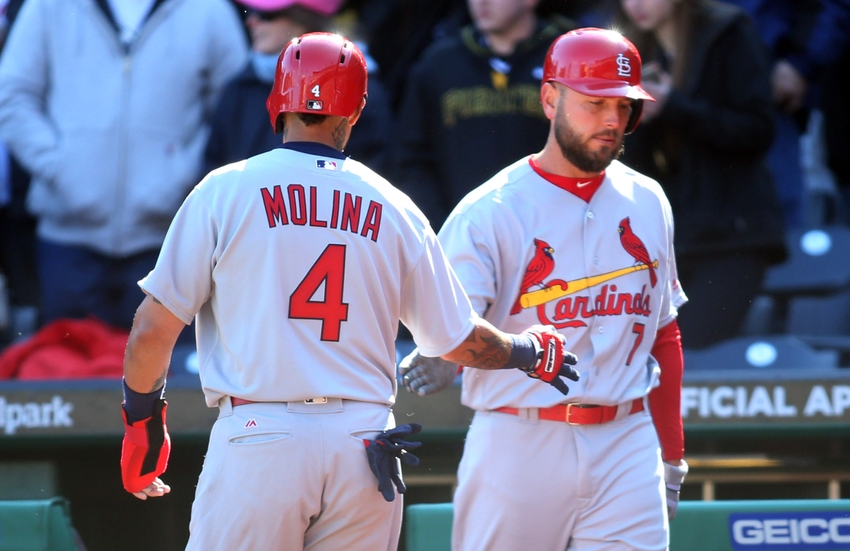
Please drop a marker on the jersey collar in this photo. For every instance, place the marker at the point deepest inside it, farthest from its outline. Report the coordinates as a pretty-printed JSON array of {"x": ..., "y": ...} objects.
[
  {"x": 583, "y": 188},
  {"x": 313, "y": 148}
]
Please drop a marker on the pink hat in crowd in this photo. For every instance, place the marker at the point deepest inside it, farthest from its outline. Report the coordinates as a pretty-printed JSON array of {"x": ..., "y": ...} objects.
[{"x": 325, "y": 7}]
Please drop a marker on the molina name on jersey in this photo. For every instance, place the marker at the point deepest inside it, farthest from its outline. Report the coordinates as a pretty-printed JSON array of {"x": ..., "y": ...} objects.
[{"x": 300, "y": 206}]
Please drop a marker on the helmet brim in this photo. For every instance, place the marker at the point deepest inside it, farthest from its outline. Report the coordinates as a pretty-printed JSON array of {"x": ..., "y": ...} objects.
[{"x": 604, "y": 88}]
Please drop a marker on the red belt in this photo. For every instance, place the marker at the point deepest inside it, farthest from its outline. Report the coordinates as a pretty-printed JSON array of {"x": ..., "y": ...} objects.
[{"x": 578, "y": 414}]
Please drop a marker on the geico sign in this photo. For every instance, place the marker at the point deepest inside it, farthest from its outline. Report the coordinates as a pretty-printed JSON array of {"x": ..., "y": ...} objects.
[
  {"x": 726, "y": 402},
  {"x": 797, "y": 531}
]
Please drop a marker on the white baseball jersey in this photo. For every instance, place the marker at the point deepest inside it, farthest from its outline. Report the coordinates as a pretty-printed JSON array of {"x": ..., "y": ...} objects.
[
  {"x": 522, "y": 244},
  {"x": 299, "y": 264}
]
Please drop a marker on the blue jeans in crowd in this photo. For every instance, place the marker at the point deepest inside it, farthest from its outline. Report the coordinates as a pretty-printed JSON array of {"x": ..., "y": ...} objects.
[{"x": 77, "y": 282}]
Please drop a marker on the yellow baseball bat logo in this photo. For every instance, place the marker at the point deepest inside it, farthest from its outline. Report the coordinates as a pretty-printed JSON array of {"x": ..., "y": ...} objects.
[{"x": 557, "y": 290}]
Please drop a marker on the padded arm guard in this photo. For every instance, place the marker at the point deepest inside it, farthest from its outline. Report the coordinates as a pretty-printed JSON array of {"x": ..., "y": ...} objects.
[{"x": 145, "y": 449}]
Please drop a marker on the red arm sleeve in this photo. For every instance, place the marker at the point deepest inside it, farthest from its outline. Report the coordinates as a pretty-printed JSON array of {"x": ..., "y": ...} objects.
[{"x": 665, "y": 399}]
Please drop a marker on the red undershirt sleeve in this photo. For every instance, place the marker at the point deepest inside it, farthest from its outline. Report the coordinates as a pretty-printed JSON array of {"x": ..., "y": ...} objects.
[{"x": 665, "y": 399}]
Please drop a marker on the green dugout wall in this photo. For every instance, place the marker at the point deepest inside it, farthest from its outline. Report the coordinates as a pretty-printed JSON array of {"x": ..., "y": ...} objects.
[{"x": 759, "y": 525}]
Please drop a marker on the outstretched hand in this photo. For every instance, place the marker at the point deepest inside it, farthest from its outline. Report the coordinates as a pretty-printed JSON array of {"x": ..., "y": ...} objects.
[
  {"x": 553, "y": 362},
  {"x": 424, "y": 375}
]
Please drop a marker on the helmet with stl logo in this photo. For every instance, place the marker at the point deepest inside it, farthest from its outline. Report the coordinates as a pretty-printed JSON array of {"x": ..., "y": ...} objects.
[
  {"x": 598, "y": 62},
  {"x": 319, "y": 73}
]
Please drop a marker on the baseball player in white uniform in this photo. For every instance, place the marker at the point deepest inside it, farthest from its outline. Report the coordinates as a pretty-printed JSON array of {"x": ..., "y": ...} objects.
[
  {"x": 298, "y": 265},
  {"x": 572, "y": 238}
]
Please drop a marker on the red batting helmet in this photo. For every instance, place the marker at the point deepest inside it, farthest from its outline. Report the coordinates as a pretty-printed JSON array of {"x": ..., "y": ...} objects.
[
  {"x": 320, "y": 73},
  {"x": 596, "y": 62}
]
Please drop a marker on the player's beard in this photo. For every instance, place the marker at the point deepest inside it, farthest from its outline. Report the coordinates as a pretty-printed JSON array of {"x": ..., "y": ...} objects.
[{"x": 575, "y": 149}]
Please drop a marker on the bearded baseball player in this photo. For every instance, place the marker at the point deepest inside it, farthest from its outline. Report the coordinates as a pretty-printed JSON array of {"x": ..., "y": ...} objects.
[
  {"x": 572, "y": 238},
  {"x": 297, "y": 266}
]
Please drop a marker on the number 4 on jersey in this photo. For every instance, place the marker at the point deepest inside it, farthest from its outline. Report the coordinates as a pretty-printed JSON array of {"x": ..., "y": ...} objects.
[{"x": 332, "y": 311}]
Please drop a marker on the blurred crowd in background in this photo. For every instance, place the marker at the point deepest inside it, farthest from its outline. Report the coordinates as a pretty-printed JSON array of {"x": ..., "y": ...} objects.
[{"x": 112, "y": 110}]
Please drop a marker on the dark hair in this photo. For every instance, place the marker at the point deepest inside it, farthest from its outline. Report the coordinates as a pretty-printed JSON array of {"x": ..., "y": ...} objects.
[{"x": 310, "y": 119}]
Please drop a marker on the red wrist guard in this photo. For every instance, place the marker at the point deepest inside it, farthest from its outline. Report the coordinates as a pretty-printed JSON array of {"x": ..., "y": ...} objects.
[{"x": 145, "y": 449}]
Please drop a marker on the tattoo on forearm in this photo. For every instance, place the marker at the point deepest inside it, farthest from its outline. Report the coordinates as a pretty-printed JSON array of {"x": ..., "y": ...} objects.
[{"x": 488, "y": 352}]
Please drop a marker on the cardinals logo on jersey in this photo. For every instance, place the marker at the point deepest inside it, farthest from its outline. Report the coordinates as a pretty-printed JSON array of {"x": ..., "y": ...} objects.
[
  {"x": 635, "y": 247},
  {"x": 538, "y": 269},
  {"x": 611, "y": 299}
]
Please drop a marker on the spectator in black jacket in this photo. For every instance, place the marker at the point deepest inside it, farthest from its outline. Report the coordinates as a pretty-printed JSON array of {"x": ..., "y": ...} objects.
[
  {"x": 705, "y": 140},
  {"x": 471, "y": 104},
  {"x": 805, "y": 40},
  {"x": 240, "y": 125}
]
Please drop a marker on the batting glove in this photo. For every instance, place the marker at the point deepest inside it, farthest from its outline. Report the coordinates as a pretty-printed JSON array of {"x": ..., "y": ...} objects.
[
  {"x": 552, "y": 361},
  {"x": 384, "y": 453},
  {"x": 674, "y": 476},
  {"x": 424, "y": 375},
  {"x": 145, "y": 449}
]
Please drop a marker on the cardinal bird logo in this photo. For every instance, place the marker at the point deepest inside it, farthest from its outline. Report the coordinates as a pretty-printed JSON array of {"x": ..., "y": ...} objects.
[
  {"x": 635, "y": 247},
  {"x": 538, "y": 269}
]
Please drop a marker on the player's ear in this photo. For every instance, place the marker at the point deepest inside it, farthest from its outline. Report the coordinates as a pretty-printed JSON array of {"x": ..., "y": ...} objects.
[
  {"x": 352, "y": 120},
  {"x": 549, "y": 94}
]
